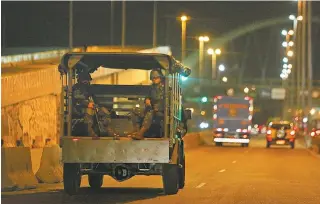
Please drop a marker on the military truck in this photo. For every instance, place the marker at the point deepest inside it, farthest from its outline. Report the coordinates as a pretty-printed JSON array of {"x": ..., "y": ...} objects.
[{"x": 121, "y": 157}]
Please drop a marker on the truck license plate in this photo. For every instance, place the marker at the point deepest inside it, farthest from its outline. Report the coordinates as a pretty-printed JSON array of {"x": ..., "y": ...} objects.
[{"x": 280, "y": 142}]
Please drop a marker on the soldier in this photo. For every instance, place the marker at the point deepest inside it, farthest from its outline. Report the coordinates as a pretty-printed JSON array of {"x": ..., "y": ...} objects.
[
  {"x": 82, "y": 105},
  {"x": 157, "y": 93}
]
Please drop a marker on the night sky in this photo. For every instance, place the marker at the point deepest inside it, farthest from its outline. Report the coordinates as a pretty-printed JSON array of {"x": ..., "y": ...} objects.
[{"x": 27, "y": 24}]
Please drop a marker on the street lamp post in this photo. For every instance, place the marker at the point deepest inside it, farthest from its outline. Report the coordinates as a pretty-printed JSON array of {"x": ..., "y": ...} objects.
[
  {"x": 71, "y": 25},
  {"x": 202, "y": 40},
  {"x": 183, "y": 36},
  {"x": 214, "y": 53},
  {"x": 123, "y": 34},
  {"x": 154, "y": 43}
]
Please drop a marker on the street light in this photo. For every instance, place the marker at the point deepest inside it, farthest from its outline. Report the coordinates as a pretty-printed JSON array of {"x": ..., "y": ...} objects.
[
  {"x": 290, "y": 53},
  {"x": 292, "y": 17},
  {"x": 222, "y": 68},
  {"x": 225, "y": 79},
  {"x": 246, "y": 90},
  {"x": 284, "y": 44},
  {"x": 214, "y": 53},
  {"x": 285, "y": 60},
  {"x": 291, "y": 43},
  {"x": 291, "y": 32},
  {"x": 289, "y": 66},
  {"x": 202, "y": 40},
  {"x": 285, "y": 66},
  {"x": 183, "y": 36},
  {"x": 284, "y": 32},
  {"x": 299, "y": 18}
]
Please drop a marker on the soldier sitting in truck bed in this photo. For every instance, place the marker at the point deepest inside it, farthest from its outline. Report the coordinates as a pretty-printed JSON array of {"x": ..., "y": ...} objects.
[
  {"x": 157, "y": 92},
  {"x": 84, "y": 106}
]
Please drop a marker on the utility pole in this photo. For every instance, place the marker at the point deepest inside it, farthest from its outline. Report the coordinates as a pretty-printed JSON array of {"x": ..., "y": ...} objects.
[
  {"x": 309, "y": 55},
  {"x": 111, "y": 21},
  {"x": 303, "y": 58},
  {"x": 154, "y": 24},
  {"x": 123, "y": 36},
  {"x": 71, "y": 25}
]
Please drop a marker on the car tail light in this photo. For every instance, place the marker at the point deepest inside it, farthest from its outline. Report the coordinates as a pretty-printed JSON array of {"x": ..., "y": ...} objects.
[{"x": 292, "y": 132}]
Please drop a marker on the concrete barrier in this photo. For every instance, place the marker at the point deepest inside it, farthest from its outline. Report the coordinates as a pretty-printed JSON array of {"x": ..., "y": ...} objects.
[
  {"x": 191, "y": 140},
  {"x": 206, "y": 138},
  {"x": 16, "y": 169},
  {"x": 50, "y": 170}
]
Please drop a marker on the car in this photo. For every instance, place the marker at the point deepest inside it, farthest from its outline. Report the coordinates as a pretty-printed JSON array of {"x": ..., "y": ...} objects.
[{"x": 280, "y": 133}]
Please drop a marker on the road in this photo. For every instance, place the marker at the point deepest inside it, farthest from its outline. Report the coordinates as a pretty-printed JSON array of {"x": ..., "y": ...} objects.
[{"x": 229, "y": 174}]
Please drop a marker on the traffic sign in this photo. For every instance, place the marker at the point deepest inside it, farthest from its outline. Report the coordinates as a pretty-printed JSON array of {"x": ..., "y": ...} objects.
[{"x": 278, "y": 93}]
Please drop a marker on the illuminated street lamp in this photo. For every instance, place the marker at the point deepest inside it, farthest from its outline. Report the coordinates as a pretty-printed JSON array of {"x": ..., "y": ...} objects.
[
  {"x": 214, "y": 53},
  {"x": 222, "y": 68},
  {"x": 284, "y": 32},
  {"x": 291, "y": 32},
  {"x": 183, "y": 36},
  {"x": 284, "y": 44},
  {"x": 289, "y": 66},
  {"x": 291, "y": 43},
  {"x": 299, "y": 18},
  {"x": 292, "y": 17},
  {"x": 225, "y": 79},
  {"x": 285, "y": 66},
  {"x": 290, "y": 53},
  {"x": 202, "y": 40},
  {"x": 246, "y": 90},
  {"x": 285, "y": 60}
]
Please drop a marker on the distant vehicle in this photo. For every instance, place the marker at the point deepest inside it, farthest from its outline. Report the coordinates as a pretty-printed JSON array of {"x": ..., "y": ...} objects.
[
  {"x": 232, "y": 120},
  {"x": 280, "y": 133}
]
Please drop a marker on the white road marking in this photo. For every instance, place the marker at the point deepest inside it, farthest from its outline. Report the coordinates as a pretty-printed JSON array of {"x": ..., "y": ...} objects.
[
  {"x": 234, "y": 162},
  {"x": 222, "y": 170},
  {"x": 201, "y": 185}
]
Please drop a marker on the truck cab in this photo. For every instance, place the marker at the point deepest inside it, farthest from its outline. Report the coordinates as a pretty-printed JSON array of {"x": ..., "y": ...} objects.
[{"x": 160, "y": 153}]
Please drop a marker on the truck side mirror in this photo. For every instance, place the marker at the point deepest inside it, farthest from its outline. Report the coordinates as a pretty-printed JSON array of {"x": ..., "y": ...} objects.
[{"x": 187, "y": 114}]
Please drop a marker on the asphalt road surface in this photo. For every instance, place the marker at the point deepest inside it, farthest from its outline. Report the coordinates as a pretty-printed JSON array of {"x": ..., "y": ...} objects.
[{"x": 229, "y": 174}]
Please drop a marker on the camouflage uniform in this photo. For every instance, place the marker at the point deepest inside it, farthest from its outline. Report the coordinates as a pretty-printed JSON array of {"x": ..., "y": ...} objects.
[
  {"x": 81, "y": 101},
  {"x": 104, "y": 119},
  {"x": 84, "y": 108}
]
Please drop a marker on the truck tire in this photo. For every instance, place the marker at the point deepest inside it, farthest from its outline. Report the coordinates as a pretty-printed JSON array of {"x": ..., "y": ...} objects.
[
  {"x": 219, "y": 144},
  {"x": 170, "y": 178},
  {"x": 71, "y": 178},
  {"x": 95, "y": 180},
  {"x": 182, "y": 173}
]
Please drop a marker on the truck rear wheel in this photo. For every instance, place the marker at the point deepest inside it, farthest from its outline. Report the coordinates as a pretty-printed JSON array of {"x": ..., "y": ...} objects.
[
  {"x": 71, "y": 178},
  {"x": 95, "y": 180},
  {"x": 170, "y": 179},
  {"x": 219, "y": 144}
]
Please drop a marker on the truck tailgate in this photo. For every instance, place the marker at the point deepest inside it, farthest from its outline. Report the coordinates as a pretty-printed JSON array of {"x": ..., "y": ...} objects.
[{"x": 107, "y": 150}]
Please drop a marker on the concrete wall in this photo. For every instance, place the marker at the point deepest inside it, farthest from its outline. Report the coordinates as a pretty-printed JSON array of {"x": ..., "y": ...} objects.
[{"x": 32, "y": 121}]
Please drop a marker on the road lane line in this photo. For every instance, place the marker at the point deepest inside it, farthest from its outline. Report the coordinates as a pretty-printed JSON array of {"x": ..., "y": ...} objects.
[
  {"x": 234, "y": 162},
  {"x": 201, "y": 185},
  {"x": 222, "y": 170}
]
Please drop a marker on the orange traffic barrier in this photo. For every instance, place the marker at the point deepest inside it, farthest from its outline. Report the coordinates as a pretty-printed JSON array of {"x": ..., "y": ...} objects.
[
  {"x": 16, "y": 169},
  {"x": 50, "y": 170}
]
